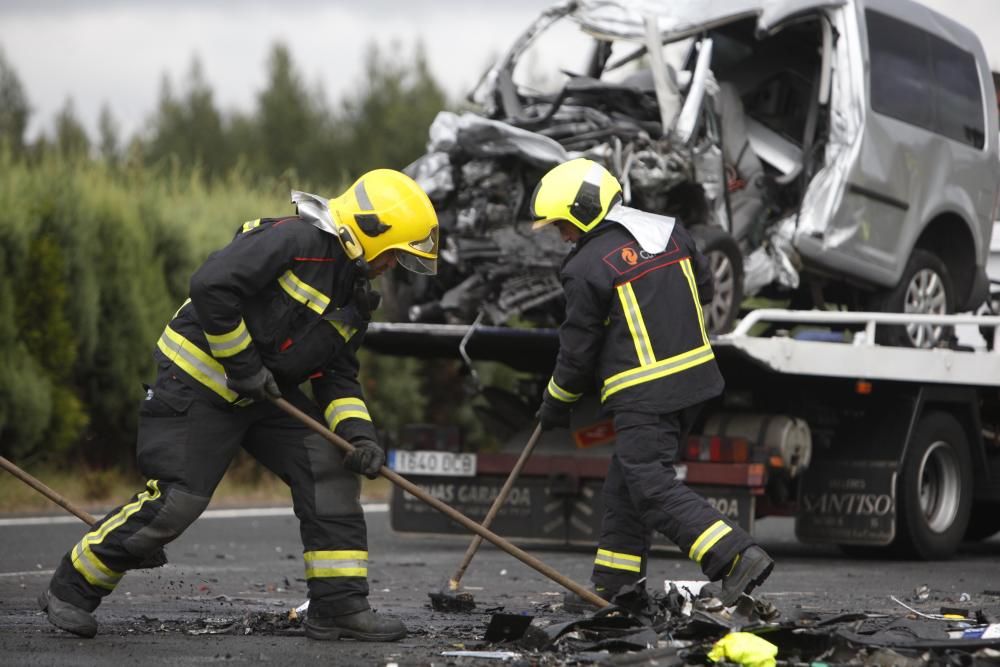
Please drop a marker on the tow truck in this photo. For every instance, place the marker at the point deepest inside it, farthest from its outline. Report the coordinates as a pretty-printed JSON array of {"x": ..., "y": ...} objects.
[{"x": 872, "y": 447}]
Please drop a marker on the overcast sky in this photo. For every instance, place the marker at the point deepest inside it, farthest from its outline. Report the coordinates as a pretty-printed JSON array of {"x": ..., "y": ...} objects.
[{"x": 116, "y": 51}]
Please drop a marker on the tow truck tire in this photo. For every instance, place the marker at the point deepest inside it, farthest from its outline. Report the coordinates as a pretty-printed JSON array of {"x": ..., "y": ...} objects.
[
  {"x": 726, "y": 260},
  {"x": 934, "y": 489},
  {"x": 984, "y": 522}
]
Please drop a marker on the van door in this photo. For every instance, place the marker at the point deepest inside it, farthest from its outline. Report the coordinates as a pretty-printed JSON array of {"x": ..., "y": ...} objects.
[{"x": 912, "y": 147}]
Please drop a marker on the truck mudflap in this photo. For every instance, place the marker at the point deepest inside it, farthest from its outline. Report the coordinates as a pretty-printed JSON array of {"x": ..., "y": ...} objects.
[
  {"x": 848, "y": 502},
  {"x": 557, "y": 500}
]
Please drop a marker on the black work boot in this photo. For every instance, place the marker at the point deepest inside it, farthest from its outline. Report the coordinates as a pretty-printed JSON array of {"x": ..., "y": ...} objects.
[
  {"x": 66, "y": 616},
  {"x": 364, "y": 625},
  {"x": 749, "y": 569}
]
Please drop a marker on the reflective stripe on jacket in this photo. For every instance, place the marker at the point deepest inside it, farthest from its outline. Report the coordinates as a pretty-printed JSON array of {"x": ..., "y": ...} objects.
[
  {"x": 634, "y": 324},
  {"x": 282, "y": 294}
]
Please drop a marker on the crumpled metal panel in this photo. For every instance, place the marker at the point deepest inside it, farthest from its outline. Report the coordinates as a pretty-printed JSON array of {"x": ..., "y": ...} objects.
[
  {"x": 677, "y": 19},
  {"x": 825, "y": 194},
  {"x": 482, "y": 137},
  {"x": 774, "y": 261}
]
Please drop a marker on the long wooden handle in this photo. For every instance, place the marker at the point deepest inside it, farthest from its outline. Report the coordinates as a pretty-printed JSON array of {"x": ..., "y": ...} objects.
[
  {"x": 501, "y": 498},
  {"x": 450, "y": 512},
  {"x": 37, "y": 485}
]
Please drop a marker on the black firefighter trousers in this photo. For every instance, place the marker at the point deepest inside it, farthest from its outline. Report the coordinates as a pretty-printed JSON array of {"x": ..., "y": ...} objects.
[
  {"x": 642, "y": 494},
  {"x": 185, "y": 443}
]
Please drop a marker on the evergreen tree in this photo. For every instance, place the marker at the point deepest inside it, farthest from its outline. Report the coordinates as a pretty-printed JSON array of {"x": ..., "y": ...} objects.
[
  {"x": 386, "y": 126},
  {"x": 14, "y": 107},
  {"x": 290, "y": 120},
  {"x": 71, "y": 138},
  {"x": 108, "y": 142},
  {"x": 189, "y": 129}
]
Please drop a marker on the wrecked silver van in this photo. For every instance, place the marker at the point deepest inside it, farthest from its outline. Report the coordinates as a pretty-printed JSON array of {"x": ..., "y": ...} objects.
[{"x": 830, "y": 153}]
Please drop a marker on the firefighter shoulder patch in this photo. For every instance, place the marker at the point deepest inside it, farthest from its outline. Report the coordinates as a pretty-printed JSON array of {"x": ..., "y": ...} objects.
[{"x": 631, "y": 257}]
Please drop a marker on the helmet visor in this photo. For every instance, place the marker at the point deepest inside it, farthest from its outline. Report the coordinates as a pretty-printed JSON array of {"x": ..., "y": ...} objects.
[
  {"x": 417, "y": 264},
  {"x": 415, "y": 258}
]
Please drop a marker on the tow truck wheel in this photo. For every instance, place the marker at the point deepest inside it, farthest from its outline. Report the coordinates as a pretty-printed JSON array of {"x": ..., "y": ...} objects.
[
  {"x": 726, "y": 261},
  {"x": 934, "y": 489}
]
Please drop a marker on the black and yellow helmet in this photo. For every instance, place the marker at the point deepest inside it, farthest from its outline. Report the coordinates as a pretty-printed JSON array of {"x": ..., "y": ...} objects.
[
  {"x": 385, "y": 210},
  {"x": 580, "y": 191}
]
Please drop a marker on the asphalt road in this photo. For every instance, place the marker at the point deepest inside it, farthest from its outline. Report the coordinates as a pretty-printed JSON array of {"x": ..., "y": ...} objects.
[{"x": 239, "y": 575}]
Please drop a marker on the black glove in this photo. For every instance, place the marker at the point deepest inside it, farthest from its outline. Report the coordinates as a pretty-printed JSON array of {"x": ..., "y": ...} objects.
[
  {"x": 366, "y": 459},
  {"x": 260, "y": 386},
  {"x": 553, "y": 415}
]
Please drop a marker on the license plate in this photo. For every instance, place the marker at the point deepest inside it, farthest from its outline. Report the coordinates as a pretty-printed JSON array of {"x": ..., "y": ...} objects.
[{"x": 422, "y": 462}]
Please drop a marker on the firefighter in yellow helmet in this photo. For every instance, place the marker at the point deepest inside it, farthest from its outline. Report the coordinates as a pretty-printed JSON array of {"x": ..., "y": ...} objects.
[
  {"x": 634, "y": 284},
  {"x": 287, "y": 300}
]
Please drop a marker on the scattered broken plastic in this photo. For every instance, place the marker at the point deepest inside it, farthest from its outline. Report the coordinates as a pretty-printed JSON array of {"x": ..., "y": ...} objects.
[
  {"x": 991, "y": 631},
  {"x": 686, "y": 587},
  {"x": 485, "y": 655}
]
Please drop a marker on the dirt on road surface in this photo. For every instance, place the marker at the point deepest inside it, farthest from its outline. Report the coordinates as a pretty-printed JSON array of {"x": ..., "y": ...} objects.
[{"x": 233, "y": 579}]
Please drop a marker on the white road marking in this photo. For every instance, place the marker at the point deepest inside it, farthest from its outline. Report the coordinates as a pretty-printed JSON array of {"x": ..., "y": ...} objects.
[
  {"x": 27, "y": 573},
  {"x": 252, "y": 512}
]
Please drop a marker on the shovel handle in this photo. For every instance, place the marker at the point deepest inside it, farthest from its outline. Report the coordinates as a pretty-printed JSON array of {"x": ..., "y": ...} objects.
[
  {"x": 447, "y": 510},
  {"x": 37, "y": 485},
  {"x": 501, "y": 498}
]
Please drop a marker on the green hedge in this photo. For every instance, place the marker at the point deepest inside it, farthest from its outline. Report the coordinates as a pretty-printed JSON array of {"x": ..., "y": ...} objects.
[{"x": 94, "y": 262}]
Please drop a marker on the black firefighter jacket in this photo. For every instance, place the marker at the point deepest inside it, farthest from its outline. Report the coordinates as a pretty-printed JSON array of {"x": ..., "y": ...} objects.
[
  {"x": 284, "y": 295},
  {"x": 634, "y": 320}
]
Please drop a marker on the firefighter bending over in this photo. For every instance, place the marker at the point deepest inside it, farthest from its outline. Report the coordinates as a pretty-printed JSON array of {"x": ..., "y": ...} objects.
[
  {"x": 289, "y": 299},
  {"x": 634, "y": 285}
]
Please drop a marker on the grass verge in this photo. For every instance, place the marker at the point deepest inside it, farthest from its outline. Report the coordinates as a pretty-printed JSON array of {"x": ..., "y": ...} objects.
[{"x": 246, "y": 484}]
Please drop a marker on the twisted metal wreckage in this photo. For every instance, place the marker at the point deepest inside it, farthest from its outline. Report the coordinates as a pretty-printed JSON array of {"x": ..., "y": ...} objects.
[
  {"x": 479, "y": 168},
  {"x": 755, "y": 135}
]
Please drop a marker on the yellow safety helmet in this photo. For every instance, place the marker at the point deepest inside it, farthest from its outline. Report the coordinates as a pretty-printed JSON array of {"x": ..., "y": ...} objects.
[
  {"x": 386, "y": 210},
  {"x": 580, "y": 191}
]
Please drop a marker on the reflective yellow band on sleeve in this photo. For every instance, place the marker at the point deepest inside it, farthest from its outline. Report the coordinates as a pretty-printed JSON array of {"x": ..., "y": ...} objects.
[
  {"x": 250, "y": 224},
  {"x": 229, "y": 344},
  {"x": 309, "y": 296},
  {"x": 689, "y": 274},
  {"x": 560, "y": 394},
  {"x": 195, "y": 362},
  {"x": 636, "y": 325},
  {"x": 708, "y": 539},
  {"x": 346, "y": 332},
  {"x": 323, "y": 564},
  {"x": 345, "y": 408},
  {"x": 618, "y": 561}
]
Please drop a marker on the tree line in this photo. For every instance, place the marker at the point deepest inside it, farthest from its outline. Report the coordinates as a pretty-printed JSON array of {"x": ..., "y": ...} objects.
[
  {"x": 99, "y": 236},
  {"x": 292, "y": 129}
]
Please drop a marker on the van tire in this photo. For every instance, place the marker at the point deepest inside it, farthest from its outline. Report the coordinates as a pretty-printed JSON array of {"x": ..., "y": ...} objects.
[
  {"x": 726, "y": 260},
  {"x": 934, "y": 489},
  {"x": 925, "y": 280}
]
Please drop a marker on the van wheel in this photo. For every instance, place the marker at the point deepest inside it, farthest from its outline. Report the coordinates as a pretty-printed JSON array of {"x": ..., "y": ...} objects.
[
  {"x": 726, "y": 260},
  {"x": 924, "y": 288},
  {"x": 984, "y": 522},
  {"x": 934, "y": 489}
]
